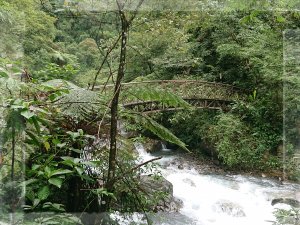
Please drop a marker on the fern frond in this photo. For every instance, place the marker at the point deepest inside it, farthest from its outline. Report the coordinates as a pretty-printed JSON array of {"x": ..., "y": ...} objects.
[
  {"x": 167, "y": 98},
  {"x": 151, "y": 125},
  {"x": 82, "y": 105}
]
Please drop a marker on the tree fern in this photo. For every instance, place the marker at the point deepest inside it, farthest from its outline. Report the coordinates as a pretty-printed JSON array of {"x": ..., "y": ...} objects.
[{"x": 82, "y": 105}]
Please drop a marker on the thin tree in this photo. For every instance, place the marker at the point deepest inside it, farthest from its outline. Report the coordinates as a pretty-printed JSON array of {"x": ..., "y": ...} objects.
[{"x": 125, "y": 24}]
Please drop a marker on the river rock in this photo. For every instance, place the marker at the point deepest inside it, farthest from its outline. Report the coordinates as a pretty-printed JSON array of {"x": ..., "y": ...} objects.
[
  {"x": 230, "y": 208},
  {"x": 180, "y": 167},
  {"x": 163, "y": 189},
  {"x": 152, "y": 145},
  {"x": 209, "y": 150},
  {"x": 189, "y": 181},
  {"x": 288, "y": 201}
]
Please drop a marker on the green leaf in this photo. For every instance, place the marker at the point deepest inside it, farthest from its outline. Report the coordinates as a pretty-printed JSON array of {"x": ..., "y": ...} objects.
[
  {"x": 69, "y": 161},
  {"x": 35, "y": 167},
  {"x": 28, "y": 182},
  {"x": 254, "y": 94},
  {"x": 48, "y": 170},
  {"x": 26, "y": 207},
  {"x": 59, "y": 172},
  {"x": 55, "y": 141},
  {"x": 55, "y": 206},
  {"x": 3, "y": 74},
  {"x": 68, "y": 158},
  {"x": 58, "y": 207},
  {"x": 79, "y": 170},
  {"x": 47, "y": 145},
  {"x": 280, "y": 19},
  {"x": 43, "y": 193},
  {"x": 56, "y": 181},
  {"x": 36, "y": 202},
  {"x": 73, "y": 135},
  {"x": 44, "y": 121},
  {"x": 33, "y": 137},
  {"x": 104, "y": 192},
  {"x": 52, "y": 97},
  {"x": 36, "y": 124},
  {"x": 27, "y": 114}
]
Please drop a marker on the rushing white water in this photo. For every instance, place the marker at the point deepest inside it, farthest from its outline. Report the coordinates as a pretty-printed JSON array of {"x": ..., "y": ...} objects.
[
  {"x": 222, "y": 199},
  {"x": 164, "y": 147}
]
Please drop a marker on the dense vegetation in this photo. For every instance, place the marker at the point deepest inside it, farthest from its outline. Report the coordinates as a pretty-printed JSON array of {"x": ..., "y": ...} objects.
[{"x": 61, "y": 126}]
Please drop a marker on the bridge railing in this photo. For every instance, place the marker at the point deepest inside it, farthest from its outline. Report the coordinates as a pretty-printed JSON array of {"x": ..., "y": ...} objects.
[{"x": 184, "y": 88}]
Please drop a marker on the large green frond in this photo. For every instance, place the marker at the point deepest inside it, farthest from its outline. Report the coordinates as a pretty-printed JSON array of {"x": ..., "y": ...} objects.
[
  {"x": 154, "y": 127},
  {"x": 167, "y": 98}
]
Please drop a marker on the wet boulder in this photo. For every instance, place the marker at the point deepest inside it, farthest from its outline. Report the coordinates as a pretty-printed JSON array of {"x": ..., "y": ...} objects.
[
  {"x": 288, "y": 201},
  {"x": 161, "y": 189},
  {"x": 152, "y": 145},
  {"x": 189, "y": 181}
]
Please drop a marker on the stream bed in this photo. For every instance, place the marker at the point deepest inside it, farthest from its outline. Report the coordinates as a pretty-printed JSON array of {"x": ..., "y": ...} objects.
[{"x": 219, "y": 199}]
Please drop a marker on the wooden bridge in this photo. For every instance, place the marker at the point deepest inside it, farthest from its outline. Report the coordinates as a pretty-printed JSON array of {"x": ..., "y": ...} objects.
[{"x": 157, "y": 95}]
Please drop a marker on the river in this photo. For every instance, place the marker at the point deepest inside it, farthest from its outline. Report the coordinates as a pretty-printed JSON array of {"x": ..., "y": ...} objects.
[{"x": 219, "y": 199}]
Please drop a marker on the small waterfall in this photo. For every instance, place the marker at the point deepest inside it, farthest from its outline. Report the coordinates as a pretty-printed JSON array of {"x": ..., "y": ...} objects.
[
  {"x": 164, "y": 147},
  {"x": 143, "y": 154}
]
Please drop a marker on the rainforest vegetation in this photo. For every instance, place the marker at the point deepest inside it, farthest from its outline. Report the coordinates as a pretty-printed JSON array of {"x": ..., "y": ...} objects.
[{"x": 60, "y": 125}]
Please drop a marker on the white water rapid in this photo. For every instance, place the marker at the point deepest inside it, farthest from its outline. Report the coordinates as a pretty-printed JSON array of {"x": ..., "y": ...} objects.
[{"x": 221, "y": 199}]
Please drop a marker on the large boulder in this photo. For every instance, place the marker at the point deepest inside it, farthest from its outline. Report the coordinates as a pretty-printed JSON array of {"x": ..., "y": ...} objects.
[
  {"x": 161, "y": 189},
  {"x": 152, "y": 145}
]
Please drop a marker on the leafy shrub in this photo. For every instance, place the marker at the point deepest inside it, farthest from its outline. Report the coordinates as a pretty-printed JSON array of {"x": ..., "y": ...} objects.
[{"x": 237, "y": 144}]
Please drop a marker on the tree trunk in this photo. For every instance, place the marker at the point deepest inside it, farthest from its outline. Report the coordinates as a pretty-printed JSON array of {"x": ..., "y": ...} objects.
[{"x": 114, "y": 110}]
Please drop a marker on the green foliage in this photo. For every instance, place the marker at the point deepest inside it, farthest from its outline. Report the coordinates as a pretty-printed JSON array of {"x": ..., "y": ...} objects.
[
  {"x": 190, "y": 126},
  {"x": 54, "y": 71},
  {"x": 284, "y": 216},
  {"x": 52, "y": 218},
  {"x": 88, "y": 53},
  {"x": 12, "y": 24},
  {"x": 162, "y": 56},
  {"x": 251, "y": 149}
]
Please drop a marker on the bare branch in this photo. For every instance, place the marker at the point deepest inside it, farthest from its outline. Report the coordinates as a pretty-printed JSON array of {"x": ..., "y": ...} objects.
[
  {"x": 133, "y": 169},
  {"x": 104, "y": 60},
  {"x": 135, "y": 11}
]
